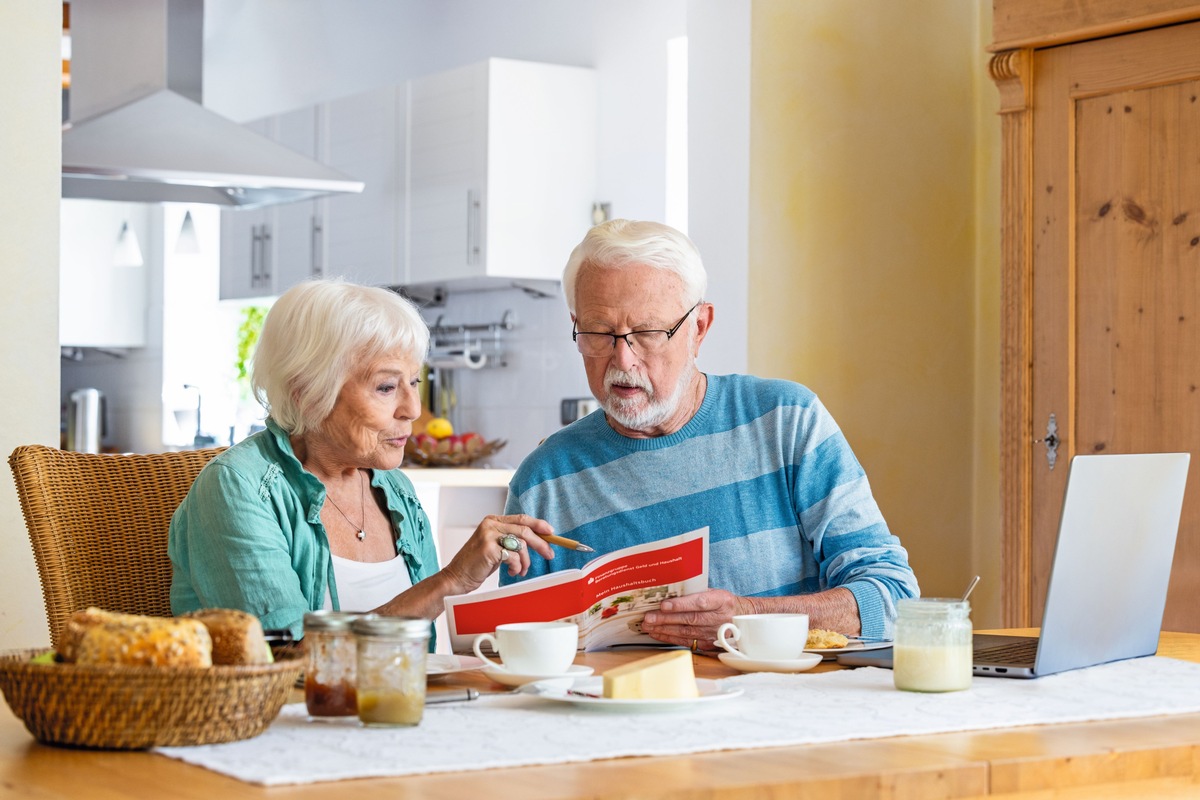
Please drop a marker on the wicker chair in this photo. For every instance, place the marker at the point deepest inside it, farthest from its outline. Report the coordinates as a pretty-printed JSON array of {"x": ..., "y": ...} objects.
[{"x": 98, "y": 525}]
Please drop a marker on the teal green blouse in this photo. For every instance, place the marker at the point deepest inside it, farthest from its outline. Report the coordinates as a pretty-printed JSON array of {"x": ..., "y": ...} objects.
[{"x": 249, "y": 534}]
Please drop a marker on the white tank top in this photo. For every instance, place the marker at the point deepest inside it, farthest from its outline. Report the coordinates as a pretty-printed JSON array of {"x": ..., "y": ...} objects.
[{"x": 366, "y": 585}]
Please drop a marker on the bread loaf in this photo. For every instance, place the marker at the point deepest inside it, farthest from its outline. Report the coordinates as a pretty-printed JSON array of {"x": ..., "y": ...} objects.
[
  {"x": 147, "y": 641},
  {"x": 237, "y": 637},
  {"x": 83, "y": 621}
]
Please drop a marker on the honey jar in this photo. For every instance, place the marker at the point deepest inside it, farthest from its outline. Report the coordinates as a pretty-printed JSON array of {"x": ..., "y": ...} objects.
[{"x": 391, "y": 669}]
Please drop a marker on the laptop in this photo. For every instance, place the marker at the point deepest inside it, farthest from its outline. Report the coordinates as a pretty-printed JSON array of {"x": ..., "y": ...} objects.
[{"x": 1108, "y": 582}]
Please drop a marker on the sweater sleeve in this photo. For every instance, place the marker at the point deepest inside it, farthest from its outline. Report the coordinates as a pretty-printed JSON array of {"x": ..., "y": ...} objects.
[{"x": 838, "y": 514}]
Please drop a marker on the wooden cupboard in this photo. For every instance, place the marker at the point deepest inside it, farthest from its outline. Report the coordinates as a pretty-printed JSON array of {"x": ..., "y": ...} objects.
[{"x": 1100, "y": 120}]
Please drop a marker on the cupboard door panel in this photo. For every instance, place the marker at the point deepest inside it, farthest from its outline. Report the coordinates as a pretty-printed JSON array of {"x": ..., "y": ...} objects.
[{"x": 1116, "y": 252}]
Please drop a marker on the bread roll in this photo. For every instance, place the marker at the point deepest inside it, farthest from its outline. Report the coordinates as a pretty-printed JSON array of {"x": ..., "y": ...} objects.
[
  {"x": 237, "y": 637},
  {"x": 80, "y": 623},
  {"x": 147, "y": 641}
]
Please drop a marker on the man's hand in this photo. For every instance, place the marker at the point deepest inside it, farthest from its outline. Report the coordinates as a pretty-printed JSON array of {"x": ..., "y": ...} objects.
[{"x": 692, "y": 620}]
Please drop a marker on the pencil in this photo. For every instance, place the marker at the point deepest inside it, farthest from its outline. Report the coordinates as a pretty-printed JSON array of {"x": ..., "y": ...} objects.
[{"x": 570, "y": 544}]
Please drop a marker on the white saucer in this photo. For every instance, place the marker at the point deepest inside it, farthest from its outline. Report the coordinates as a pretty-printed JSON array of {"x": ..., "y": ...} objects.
[
  {"x": 587, "y": 693},
  {"x": 744, "y": 664},
  {"x": 512, "y": 679},
  {"x": 439, "y": 665}
]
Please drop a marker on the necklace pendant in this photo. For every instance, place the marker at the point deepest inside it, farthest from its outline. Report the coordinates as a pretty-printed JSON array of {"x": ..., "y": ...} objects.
[{"x": 361, "y": 535}]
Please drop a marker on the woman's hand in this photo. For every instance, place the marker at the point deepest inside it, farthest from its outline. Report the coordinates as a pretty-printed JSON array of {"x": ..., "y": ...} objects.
[{"x": 483, "y": 553}]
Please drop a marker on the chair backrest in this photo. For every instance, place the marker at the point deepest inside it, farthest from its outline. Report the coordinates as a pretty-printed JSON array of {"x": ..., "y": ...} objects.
[{"x": 98, "y": 526}]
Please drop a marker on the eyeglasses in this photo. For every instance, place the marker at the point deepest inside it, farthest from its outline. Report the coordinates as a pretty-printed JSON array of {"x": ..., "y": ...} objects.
[{"x": 597, "y": 345}]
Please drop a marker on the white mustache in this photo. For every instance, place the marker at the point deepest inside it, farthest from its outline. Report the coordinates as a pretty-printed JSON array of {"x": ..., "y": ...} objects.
[{"x": 614, "y": 375}]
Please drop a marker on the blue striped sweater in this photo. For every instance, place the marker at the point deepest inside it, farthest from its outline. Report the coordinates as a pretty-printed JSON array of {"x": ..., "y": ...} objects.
[{"x": 762, "y": 464}]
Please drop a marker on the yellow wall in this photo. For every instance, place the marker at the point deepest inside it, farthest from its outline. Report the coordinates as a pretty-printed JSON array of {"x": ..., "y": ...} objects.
[{"x": 874, "y": 259}]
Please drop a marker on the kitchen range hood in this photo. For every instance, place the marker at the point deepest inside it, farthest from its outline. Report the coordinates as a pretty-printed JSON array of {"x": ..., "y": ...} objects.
[{"x": 141, "y": 133}]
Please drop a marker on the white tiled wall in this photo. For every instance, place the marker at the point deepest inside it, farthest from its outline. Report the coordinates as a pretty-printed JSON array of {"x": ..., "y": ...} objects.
[{"x": 519, "y": 402}]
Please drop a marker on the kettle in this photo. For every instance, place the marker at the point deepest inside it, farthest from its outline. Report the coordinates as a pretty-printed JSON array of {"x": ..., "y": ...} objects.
[{"x": 85, "y": 420}]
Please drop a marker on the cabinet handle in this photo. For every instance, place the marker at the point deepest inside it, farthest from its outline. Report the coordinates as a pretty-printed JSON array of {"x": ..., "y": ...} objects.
[
  {"x": 318, "y": 233},
  {"x": 266, "y": 255},
  {"x": 255, "y": 243},
  {"x": 474, "y": 225}
]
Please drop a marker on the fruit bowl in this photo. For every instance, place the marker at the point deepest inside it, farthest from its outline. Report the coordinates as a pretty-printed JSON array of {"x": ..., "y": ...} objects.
[{"x": 451, "y": 451}]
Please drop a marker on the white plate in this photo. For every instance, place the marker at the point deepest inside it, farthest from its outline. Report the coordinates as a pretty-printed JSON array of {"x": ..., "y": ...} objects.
[
  {"x": 831, "y": 653},
  {"x": 439, "y": 665},
  {"x": 586, "y": 693},
  {"x": 513, "y": 679},
  {"x": 743, "y": 664}
]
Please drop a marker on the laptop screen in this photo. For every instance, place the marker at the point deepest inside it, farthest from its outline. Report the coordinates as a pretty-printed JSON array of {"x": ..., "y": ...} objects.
[{"x": 1112, "y": 562}]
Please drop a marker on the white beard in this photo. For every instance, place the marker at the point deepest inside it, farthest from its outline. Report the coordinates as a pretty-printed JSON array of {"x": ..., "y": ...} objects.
[{"x": 638, "y": 415}]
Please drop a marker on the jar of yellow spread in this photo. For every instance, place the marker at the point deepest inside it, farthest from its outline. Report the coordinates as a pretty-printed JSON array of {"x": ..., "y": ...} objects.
[
  {"x": 391, "y": 669},
  {"x": 932, "y": 650}
]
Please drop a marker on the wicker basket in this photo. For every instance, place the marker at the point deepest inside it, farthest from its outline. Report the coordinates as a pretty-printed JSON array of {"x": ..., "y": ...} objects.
[
  {"x": 419, "y": 456},
  {"x": 128, "y": 708}
]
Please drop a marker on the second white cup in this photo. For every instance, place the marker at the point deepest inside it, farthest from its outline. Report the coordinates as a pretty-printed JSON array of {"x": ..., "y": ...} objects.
[
  {"x": 532, "y": 648},
  {"x": 766, "y": 637}
]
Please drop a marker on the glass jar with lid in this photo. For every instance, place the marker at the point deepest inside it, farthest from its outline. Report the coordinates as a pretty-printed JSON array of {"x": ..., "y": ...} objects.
[
  {"x": 329, "y": 677},
  {"x": 932, "y": 650},
  {"x": 391, "y": 669}
]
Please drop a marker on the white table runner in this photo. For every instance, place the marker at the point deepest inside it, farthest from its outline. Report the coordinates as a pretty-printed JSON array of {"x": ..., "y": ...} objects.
[{"x": 775, "y": 710}]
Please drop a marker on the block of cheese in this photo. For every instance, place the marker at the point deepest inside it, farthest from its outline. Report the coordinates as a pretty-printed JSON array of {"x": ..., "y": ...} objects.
[{"x": 666, "y": 676}]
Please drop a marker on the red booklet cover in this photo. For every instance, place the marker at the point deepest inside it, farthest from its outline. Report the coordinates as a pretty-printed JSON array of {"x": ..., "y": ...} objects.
[{"x": 607, "y": 597}]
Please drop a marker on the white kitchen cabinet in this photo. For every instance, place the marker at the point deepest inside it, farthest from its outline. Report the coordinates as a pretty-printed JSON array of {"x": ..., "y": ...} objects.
[
  {"x": 296, "y": 226},
  {"x": 248, "y": 243},
  {"x": 501, "y": 170},
  {"x": 360, "y": 233},
  {"x": 456, "y": 500},
  {"x": 266, "y": 251},
  {"x": 101, "y": 304}
]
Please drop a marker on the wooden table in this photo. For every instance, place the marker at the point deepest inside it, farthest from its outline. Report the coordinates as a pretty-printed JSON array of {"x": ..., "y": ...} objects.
[{"x": 1155, "y": 756}]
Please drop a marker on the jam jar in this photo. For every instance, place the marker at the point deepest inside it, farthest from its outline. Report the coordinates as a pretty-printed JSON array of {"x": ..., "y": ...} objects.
[
  {"x": 391, "y": 669},
  {"x": 329, "y": 679},
  {"x": 932, "y": 651}
]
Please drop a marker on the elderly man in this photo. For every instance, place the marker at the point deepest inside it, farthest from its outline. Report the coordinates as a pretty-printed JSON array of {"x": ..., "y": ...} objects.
[{"x": 792, "y": 522}]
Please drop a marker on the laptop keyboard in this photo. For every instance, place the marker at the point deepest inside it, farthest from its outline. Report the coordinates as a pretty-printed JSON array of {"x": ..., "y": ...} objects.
[{"x": 1022, "y": 651}]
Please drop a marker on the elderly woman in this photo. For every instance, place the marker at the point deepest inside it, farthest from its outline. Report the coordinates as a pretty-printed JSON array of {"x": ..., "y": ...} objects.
[{"x": 312, "y": 512}]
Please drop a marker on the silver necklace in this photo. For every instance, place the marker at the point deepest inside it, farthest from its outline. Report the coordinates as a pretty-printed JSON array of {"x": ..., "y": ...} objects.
[{"x": 362, "y": 529}]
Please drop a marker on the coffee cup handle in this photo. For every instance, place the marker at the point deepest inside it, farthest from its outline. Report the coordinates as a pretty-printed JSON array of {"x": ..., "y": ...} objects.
[
  {"x": 722, "y": 642},
  {"x": 479, "y": 654}
]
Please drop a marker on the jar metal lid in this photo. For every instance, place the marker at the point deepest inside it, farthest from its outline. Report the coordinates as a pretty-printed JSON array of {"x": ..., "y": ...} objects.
[
  {"x": 933, "y": 605},
  {"x": 379, "y": 625},
  {"x": 328, "y": 620}
]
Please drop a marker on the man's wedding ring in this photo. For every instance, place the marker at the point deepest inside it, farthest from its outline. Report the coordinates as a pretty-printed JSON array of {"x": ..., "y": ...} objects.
[
  {"x": 510, "y": 542},
  {"x": 695, "y": 643}
]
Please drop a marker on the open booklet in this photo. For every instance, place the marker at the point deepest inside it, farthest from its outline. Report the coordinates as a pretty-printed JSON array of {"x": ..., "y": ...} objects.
[{"x": 607, "y": 597}]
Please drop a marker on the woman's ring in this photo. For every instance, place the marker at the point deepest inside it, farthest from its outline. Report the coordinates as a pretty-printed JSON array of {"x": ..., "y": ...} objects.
[
  {"x": 510, "y": 542},
  {"x": 695, "y": 642}
]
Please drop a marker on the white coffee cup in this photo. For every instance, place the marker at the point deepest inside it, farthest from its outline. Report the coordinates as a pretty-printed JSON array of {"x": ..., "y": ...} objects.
[
  {"x": 532, "y": 648},
  {"x": 766, "y": 637}
]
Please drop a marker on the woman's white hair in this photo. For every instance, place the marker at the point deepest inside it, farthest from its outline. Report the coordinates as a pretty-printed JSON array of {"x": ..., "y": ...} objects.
[
  {"x": 317, "y": 335},
  {"x": 621, "y": 243}
]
